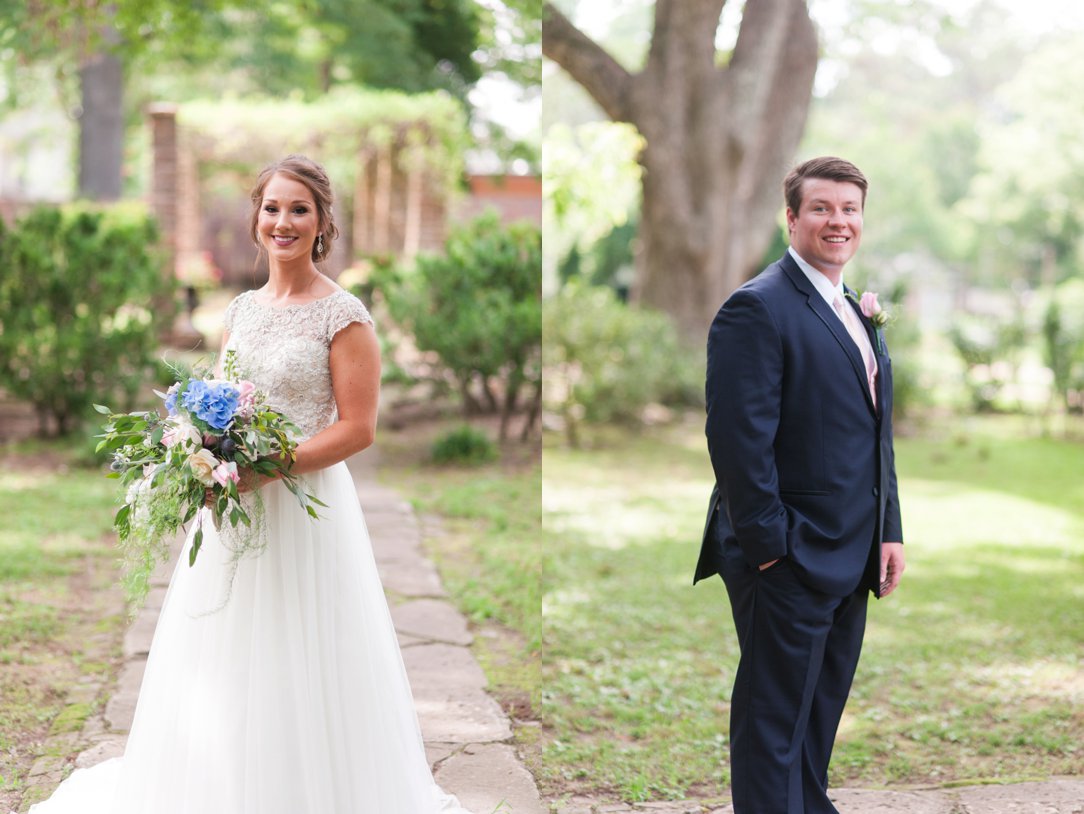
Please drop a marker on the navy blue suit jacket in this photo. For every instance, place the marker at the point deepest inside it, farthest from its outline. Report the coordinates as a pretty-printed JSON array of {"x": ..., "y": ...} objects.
[{"x": 804, "y": 465}]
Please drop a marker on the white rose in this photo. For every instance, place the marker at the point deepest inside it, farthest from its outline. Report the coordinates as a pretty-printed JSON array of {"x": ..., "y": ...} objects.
[{"x": 203, "y": 465}]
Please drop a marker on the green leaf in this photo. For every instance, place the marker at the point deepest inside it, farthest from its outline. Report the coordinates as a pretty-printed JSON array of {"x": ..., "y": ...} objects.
[{"x": 197, "y": 541}]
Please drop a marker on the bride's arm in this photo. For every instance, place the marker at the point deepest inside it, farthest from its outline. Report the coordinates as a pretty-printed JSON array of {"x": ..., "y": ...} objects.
[{"x": 355, "y": 380}]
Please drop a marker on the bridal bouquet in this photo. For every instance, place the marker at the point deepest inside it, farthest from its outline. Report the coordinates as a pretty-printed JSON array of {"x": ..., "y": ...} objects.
[{"x": 215, "y": 429}]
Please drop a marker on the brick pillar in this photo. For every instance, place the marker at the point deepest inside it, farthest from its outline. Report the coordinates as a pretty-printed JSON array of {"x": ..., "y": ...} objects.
[
  {"x": 165, "y": 178},
  {"x": 168, "y": 202}
]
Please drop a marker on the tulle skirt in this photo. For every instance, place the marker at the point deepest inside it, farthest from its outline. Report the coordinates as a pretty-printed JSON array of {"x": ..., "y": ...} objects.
[{"x": 274, "y": 683}]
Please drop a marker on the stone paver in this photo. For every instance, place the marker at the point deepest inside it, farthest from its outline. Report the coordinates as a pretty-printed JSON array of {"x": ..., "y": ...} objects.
[
  {"x": 1056, "y": 796},
  {"x": 479, "y": 768}
]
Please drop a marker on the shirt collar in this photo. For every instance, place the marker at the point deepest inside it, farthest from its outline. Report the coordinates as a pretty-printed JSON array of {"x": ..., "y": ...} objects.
[{"x": 820, "y": 282}]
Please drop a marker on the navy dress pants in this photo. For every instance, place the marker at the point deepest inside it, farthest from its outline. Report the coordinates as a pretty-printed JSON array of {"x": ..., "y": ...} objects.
[{"x": 799, "y": 651}]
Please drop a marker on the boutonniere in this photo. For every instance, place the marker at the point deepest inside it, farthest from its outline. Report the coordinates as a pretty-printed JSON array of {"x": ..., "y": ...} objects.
[{"x": 872, "y": 310}]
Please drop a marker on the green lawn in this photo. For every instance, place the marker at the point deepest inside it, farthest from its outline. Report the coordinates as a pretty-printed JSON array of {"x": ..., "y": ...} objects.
[
  {"x": 61, "y": 611},
  {"x": 972, "y": 671}
]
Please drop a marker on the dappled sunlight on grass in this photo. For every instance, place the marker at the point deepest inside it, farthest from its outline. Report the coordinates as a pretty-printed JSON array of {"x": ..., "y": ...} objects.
[
  {"x": 971, "y": 670},
  {"x": 951, "y": 516}
]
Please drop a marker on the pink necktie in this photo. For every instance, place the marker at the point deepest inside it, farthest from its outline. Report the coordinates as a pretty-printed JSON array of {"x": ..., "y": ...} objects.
[{"x": 861, "y": 338}]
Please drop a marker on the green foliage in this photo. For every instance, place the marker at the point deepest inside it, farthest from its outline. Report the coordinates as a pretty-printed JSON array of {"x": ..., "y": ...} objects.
[
  {"x": 987, "y": 346},
  {"x": 1028, "y": 190},
  {"x": 1063, "y": 343},
  {"x": 591, "y": 183},
  {"x": 464, "y": 445},
  {"x": 477, "y": 307},
  {"x": 310, "y": 46},
  {"x": 606, "y": 361},
  {"x": 285, "y": 46},
  {"x": 82, "y": 301}
]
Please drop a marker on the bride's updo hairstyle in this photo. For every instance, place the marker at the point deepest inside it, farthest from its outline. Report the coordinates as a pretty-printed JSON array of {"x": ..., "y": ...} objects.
[{"x": 312, "y": 175}]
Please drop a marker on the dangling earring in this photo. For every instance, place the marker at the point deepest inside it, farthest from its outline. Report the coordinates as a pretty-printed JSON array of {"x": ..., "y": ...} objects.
[{"x": 320, "y": 244}]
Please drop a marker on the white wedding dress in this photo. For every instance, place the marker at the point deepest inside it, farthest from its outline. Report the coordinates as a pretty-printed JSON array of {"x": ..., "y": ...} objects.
[{"x": 274, "y": 684}]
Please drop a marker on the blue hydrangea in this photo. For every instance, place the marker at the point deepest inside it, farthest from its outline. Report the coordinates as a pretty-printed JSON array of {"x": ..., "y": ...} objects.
[
  {"x": 213, "y": 402},
  {"x": 171, "y": 401}
]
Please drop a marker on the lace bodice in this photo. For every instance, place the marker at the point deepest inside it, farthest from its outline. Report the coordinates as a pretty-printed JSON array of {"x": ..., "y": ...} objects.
[{"x": 284, "y": 352}]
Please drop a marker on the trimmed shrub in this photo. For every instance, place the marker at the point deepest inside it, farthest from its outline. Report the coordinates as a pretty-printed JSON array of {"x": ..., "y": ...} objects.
[
  {"x": 606, "y": 361},
  {"x": 464, "y": 445},
  {"x": 477, "y": 307},
  {"x": 82, "y": 301}
]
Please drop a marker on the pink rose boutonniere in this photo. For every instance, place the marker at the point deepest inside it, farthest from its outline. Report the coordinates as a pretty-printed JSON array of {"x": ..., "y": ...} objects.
[{"x": 872, "y": 310}]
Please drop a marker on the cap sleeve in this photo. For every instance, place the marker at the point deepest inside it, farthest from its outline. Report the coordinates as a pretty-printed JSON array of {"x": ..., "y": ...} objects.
[
  {"x": 345, "y": 309},
  {"x": 231, "y": 313}
]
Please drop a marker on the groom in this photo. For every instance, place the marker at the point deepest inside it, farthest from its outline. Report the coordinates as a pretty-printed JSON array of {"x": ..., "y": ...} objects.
[{"x": 804, "y": 520}]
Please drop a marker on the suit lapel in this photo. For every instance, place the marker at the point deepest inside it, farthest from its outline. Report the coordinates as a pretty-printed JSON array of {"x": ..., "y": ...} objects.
[{"x": 834, "y": 325}]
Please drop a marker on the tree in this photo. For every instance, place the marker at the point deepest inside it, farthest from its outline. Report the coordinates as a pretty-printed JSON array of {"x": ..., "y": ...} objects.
[
  {"x": 93, "y": 41},
  {"x": 279, "y": 47},
  {"x": 719, "y": 133}
]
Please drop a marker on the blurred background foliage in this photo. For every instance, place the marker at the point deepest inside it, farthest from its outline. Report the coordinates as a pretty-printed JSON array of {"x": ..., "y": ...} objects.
[{"x": 965, "y": 118}]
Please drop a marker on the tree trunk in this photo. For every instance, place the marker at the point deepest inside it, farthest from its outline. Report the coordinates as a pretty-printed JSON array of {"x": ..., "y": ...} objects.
[
  {"x": 101, "y": 128},
  {"x": 718, "y": 140},
  {"x": 533, "y": 412}
]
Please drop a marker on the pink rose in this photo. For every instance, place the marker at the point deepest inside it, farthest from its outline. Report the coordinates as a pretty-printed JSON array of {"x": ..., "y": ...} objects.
[
  {"x": 872, "y": 310},
  {"x": 869, "y": 305},
  {"x": 226, "y": 472},
  {"x": 246, "y": 404}
]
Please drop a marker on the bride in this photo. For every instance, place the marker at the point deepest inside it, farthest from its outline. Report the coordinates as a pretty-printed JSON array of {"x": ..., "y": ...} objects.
[{"x": 275, "y": 684}]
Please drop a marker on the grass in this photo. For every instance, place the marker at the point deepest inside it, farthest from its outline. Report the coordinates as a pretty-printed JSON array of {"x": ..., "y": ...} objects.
[
  {"x": 61, "y": 613},
  {"x": 488, "y": 550},
  {"x": 971, "y": 672}
]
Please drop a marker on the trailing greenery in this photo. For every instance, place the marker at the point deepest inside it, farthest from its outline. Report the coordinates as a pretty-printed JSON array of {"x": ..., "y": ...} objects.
[
  {"x": 606, "y": 361},
  {"x": 478, "y": 308},
  {"x": 83, "y": 299}
]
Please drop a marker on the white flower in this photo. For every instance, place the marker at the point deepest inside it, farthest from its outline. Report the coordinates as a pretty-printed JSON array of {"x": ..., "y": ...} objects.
[
  {"x": 182, "y": 431},
  {"x": 203, "y": 465}
]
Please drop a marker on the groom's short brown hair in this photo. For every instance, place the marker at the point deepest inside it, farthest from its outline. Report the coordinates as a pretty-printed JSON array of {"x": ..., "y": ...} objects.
[{"x": 827, "y": 167}]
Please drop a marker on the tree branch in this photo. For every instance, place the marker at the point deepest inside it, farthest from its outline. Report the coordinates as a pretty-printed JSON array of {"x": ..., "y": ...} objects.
[{"x": 587, "y": 63}]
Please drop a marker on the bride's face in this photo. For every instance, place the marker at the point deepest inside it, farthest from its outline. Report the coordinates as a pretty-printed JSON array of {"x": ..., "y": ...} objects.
[{"x": 288, "y": 222}]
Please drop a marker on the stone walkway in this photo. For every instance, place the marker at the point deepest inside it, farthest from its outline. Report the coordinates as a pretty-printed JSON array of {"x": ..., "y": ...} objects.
[
  {"x": 1056, "y": 796},
  {"x": 467, "y": 735}
]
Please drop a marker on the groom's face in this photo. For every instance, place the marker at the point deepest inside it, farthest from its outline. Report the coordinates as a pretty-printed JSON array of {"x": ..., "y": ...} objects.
[{"x": 827, "y": 228}]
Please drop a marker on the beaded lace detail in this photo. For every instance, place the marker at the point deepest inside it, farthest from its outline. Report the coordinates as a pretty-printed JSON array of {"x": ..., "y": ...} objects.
[{"x": 284, "y": 352}]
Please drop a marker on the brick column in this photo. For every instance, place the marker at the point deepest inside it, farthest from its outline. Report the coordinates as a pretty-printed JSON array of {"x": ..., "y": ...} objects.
[{"x": 165, "y": 178}]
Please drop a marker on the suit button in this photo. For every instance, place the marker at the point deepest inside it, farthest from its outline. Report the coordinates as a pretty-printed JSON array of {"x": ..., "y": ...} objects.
[{"x": 876, "y": 492}]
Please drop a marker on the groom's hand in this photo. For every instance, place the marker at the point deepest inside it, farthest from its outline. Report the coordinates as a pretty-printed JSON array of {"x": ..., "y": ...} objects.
[{"x": 892, "y": 566}]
